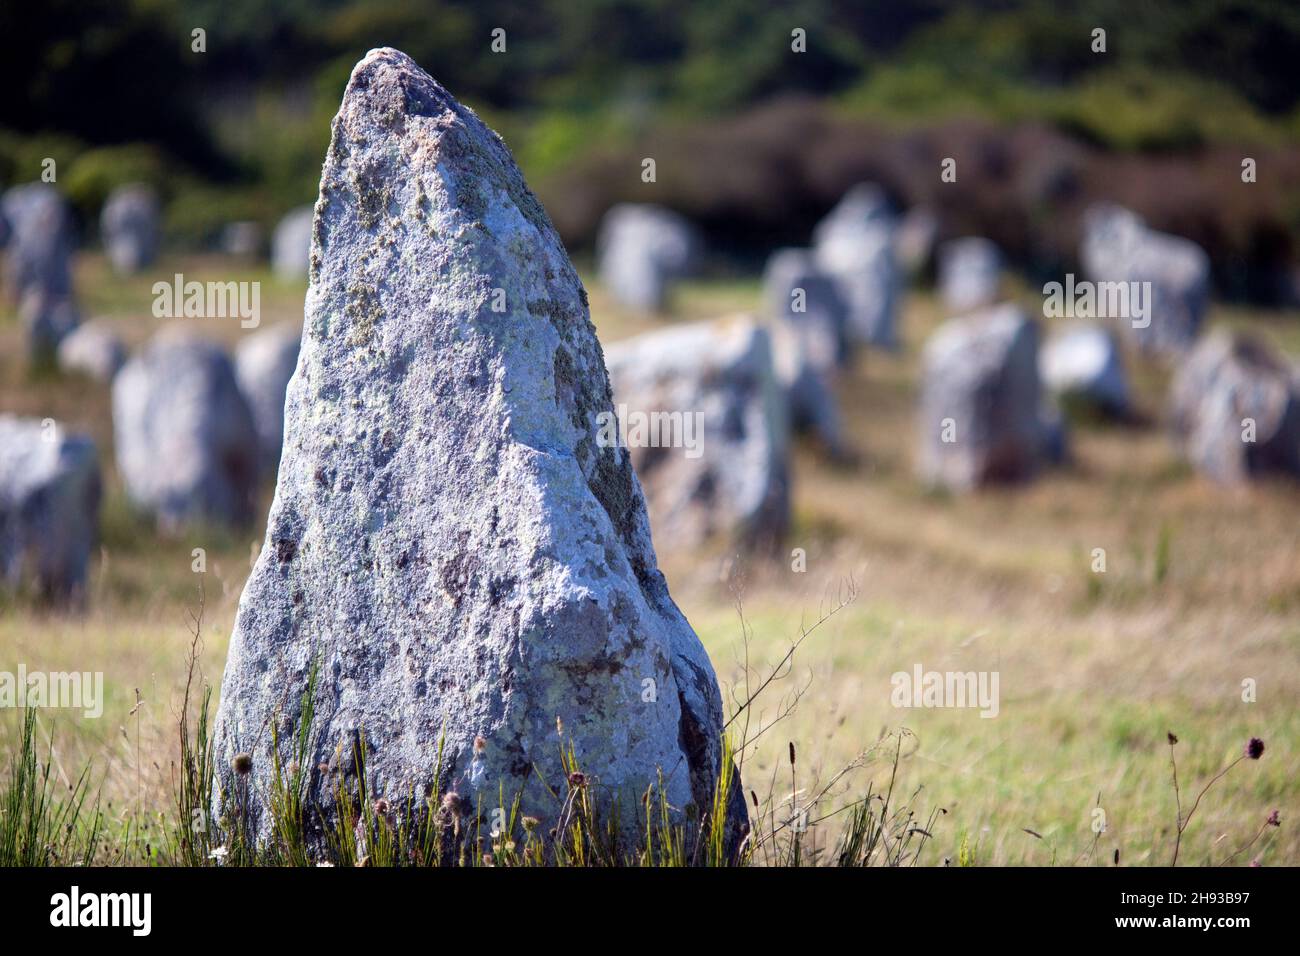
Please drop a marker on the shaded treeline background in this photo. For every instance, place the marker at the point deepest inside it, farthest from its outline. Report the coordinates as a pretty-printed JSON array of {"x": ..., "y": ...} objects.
[{"x": 753, "y": 141}]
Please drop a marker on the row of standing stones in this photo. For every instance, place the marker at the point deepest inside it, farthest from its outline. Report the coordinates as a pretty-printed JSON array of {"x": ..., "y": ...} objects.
[{"x": 450, "y": 540}]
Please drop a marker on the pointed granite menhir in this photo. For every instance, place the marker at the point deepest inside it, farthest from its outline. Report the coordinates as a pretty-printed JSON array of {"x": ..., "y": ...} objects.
[{"x": 448, "y": 542}]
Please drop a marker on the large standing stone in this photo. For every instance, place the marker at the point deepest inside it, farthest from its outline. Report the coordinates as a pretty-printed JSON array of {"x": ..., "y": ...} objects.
[
  {"x": 981, "y": 417},
  {"x": 291, "y": 244},
  {"x": 1081, "y": 365},
  {"x": 264, "y": 363},
  {"x": 1236, "y": 409},
  {"x": 93, "y": 350},
  {"x": 718, "y": 379},
  {"x": 129, "y": 227},
  {"x": 449, "y": 541},
  {"x": 49, "y": 507},
  {"x": 641, "y": 251},
  {"x": 970, "y": 274},
  {"x": 1118, "y": 247},
  {"x": 186, "y": 447},
  {"x": 855, "y": 245}
]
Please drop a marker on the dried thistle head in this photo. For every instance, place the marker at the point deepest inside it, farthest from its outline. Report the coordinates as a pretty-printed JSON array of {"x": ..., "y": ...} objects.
[
  {"x": 381, "y": 807},
  {"x": 242, "y": 764},
  {"x": 577, "y": 779},
  {"x": 1254, "y": 748},
  {"x": 530, "y": 823}
]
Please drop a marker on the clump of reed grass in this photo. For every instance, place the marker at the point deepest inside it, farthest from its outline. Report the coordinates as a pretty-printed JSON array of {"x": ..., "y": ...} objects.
[{"x": 38, "y": 825}]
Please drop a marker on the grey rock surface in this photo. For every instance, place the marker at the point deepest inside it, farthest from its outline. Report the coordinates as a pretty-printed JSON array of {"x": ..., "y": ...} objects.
[
  {"x": 291, "y": 244},
  {"x": 93, "y": 350},
  {"x": 185, "y": 443},
  {"x": 970, "y": 273},
  {"x": 129, "y": 227},
  {"x": 641, "y": 250},
  {"x": 982, "y": 415},
  {"x": 1235, "y": 409},
  {"x": 264, "y": 363},
  {"x": 855, "y": 245},
  {"x": 1118, "y": 246},
  {"x": 735, "y": 484},
  {"x": 1080, "y": 363},
  {"x": 49, "y": 507},
  {"x": 448, "y": 540}
]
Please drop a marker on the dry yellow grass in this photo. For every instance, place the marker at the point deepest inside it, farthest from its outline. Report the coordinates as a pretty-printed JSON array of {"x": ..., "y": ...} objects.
[{"x": 1094, "y": 669}]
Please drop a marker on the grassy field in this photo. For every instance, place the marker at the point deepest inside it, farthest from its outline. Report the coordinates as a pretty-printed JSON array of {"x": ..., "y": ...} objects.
[{"x": 1201, "y": 592}]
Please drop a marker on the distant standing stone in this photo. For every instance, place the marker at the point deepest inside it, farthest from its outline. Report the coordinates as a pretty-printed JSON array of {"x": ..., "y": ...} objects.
[
  {"x": 49, "y": 507},
  {"x": 981, "y": 414},
  {"x": 47, "y": 318},
  {"x": 129, "y": 227},
  {"x": 1235, "y": 407},
  {"x": 39, "y": 266},
  {"x": 93, "y": 350},
  {"x": 41, "y": 245},
  {"x": 242, "y": 239},
  {"x": 291, "y": 244},
  {"x": 642, "y": 250},
  {"x": 718, "y": 379},
  {"x": 795, "y": 289},
  {"x": 914, "y": 240},
  {"x": 855, "y": 245},
  {"x": 264, "y": 363},
  {"x": 1119, "y": 247},
  {"x": 798, "y": 357},
  {"x": 970, "y": 273},
  {"x": 1081, "y": 365},
  {"x": 186, "y": 446}
]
